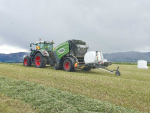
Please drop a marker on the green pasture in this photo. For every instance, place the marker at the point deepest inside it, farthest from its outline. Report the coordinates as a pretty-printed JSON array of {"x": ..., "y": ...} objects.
[{"x": 80, "y": 91}]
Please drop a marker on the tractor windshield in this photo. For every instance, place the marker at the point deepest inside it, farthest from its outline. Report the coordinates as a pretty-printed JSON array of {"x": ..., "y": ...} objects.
[
  {"x": 48, "y": 47},
  {"x": 45, "y": 46}
]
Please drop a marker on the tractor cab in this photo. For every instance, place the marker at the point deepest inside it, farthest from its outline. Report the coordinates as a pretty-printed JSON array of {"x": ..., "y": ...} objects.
[{"x": 43, "y": 45}]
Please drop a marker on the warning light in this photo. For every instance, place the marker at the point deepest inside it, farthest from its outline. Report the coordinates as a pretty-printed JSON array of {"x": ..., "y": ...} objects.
[
  {"x": 75, "y": 65},
  {"x": 37, "y": 47}
]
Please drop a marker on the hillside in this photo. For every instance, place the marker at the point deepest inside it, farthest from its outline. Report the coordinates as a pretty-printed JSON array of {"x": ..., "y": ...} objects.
[
  {"x": 127, "y": 56},
  {"x": 113, "y": 57},
  {"x": 13, "y": 57}
]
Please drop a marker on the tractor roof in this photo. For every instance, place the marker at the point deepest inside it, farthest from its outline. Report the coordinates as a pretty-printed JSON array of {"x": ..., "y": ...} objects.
[{"x": 47, "y": 42}]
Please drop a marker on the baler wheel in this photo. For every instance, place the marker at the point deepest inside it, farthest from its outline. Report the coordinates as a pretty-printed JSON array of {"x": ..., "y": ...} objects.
[{"x": 67, "y": 65}]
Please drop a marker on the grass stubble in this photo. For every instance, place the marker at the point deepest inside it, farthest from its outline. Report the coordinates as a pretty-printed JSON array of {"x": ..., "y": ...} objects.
[
  {"x": 10, "y": 105},
  {"x": 130, "y": 90},
  {"x": 46, "y": 99}
]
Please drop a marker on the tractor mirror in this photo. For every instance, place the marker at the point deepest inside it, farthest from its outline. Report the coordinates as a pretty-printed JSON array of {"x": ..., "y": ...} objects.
[{"x": 30, "y": 45}]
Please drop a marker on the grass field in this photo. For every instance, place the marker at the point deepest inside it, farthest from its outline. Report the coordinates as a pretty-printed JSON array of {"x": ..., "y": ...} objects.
[
  {"x": 104, "y": 91},
  {"x": 125, "y": 63},
  {"x": 9, "y": 105}
]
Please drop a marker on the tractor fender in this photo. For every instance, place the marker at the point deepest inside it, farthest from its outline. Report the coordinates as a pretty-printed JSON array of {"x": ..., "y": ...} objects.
[
  {"x": 43, "y": 53},
  {"x": 72, "y": 60}
]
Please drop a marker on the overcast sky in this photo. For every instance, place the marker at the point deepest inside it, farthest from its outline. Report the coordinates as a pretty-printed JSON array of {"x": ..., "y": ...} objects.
[{"x": 106, "y": 25}]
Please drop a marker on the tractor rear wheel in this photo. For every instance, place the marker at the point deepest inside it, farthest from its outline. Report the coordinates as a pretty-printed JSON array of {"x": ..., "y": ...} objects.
[
  {"x": 67, "y": 65},
  {"x": 27, "y": 61},
  {"x": 40, "y": 61}
]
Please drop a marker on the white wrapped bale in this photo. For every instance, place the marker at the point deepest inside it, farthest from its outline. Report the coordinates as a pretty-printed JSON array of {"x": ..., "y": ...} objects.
[
  {"x": 105, "y": 60},
  {"x": 93, "y": 56},
  {"x": 142, "y": 64}
]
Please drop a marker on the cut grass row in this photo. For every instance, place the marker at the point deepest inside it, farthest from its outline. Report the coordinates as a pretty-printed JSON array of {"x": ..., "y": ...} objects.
[
  {"x": 52, "y": 100},
  {"x": 130, "y": 90},
  {"x": 9, "y": 105}
]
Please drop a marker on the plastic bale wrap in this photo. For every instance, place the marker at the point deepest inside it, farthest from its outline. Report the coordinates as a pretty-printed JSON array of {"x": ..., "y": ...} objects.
[
  {"x": 142, "y": 64},
  {"x": 93, "y": 56},
  {"x": 105, "y": 60}
]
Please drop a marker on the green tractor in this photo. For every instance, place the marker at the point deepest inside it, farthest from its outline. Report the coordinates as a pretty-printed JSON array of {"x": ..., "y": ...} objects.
[
  {"x": 41, "y": 56},
  {"x": 70, "y": 55}
]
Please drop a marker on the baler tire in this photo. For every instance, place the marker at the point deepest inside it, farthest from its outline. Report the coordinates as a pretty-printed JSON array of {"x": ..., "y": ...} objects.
[
  {"x": 27, "y": 61},
  {"x": 40, "y": 61},
  {"x": 67, "y": 65}
]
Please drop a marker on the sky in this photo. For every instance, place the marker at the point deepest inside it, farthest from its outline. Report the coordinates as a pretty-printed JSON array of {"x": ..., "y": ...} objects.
[{"x": 105, "y": 25}]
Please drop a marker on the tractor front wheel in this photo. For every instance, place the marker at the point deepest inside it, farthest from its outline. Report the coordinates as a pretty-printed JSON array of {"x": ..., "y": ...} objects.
[
  {"x": 40, "y": 61},
  {"x": 67, "y": 65},
  {"x": 27, "y": 61}
]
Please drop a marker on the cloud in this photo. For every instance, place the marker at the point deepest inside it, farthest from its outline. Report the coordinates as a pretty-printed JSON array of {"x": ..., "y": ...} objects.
[
  {"x": 7, "y": 49},
  {"x": 108, "y": 26}
]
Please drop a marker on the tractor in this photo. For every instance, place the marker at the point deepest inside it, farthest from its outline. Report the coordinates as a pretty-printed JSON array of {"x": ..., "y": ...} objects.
[
  {"x": 42, "y": 55},
  {"x": 70, "y": 55}
]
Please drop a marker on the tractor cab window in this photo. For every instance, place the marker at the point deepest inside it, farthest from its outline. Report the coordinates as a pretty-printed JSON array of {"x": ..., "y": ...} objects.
[
  {"x": 48, "y": 47},
  {"x": 39, "y": 46},
  {"x": 45, "y": 46}
]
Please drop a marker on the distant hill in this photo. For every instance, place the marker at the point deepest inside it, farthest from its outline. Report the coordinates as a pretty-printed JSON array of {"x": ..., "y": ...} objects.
[
  {"x": 13, "y": 57},
  {"x": 127, "y": 56},
  {"x": 113, "y": 57}
]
